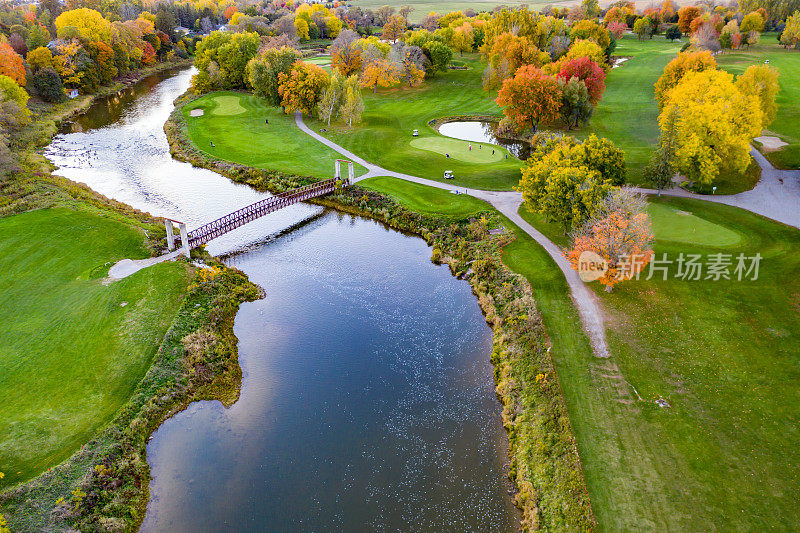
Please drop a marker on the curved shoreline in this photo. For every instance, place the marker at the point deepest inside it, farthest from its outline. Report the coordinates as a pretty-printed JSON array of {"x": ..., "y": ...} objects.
[
  {"x": 520, "y": 351},
  {"x": 167, "y": 386}
]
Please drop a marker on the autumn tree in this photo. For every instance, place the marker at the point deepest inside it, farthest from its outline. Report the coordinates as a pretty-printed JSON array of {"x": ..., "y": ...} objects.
[
  {"x": 408, "y": 63},
  {"x": 88, "y": 22},
  {"x": 617, "y": 29},
  {"x": 586, "y": 48},
  {"x": 439, "y": 55},
  {"x": 530, "y": 97},
  {"x": 660, "y": 170},
  {"x": 230, "y": 52},
  {"x": 761, "y": 81},
  {"x": 346, "y": 53},
  {"x": 715, "y": 123},
  {"x": 302, "y": 88},
  {"x": 791, "y": 33},
  {"x": 592, "y": 31},
  {"x": 332, "y": 98},
  {"x": 462, "y": 39},
  {"x": 620, "y": 233},
  {"x": 675, "y": 70},
  {"x": 263, "y": 72},
  {"x": 643, "y": 28},
  {"x": 508, "y": 53},
  {"x": 11, "y": 64},
  {"x": 378, "y": 71},
  {"x": 587, "y": 71},
  {"x": 576, "y": 106},
  {"x": 570, "y": 195},
  {"x": 353, "y": 104},
  {"x": 686, "y": 15},
  {"x": 394, "y": 28}
]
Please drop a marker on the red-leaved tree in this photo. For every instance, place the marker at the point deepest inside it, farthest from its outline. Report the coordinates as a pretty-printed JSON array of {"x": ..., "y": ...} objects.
[
  {"x": 589, "y": 73},
  {"x": 530, "y": 97},
  {"x": 11, "y": 64}
]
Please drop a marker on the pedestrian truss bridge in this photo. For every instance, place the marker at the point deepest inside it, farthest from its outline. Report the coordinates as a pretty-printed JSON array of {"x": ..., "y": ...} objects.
[{"x": 216, "y": 228}]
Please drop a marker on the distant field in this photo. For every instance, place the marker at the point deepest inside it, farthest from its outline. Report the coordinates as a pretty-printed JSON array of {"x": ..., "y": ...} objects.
[
  {"x": 421, "y": 8},
  {"x": 72, "y": 349}
]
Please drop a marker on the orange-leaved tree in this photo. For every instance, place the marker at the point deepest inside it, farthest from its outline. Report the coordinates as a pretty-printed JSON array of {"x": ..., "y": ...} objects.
[
  {"x": 346, "y": 55},
  {"x": 378, "y": 72},
  {"x": 530, "y": 97},
  {"x": 621, "y": 235},
  {"x": 302, "y": 88},
  {"x": 11, "y": 64}
]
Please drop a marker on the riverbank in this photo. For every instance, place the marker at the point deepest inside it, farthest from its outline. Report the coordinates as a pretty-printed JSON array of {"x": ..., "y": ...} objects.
[
  {"x": 104, "y": 485},
  {"x": 545, "y": 466}
]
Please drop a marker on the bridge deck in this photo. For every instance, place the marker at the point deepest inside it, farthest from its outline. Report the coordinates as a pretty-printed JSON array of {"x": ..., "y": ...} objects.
[{"x": 242, "y": 216}]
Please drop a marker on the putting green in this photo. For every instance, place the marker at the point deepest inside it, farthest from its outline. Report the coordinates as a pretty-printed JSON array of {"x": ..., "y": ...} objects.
[
  {"x": 459, "y": 150},
  {"x": 228, "y": 105},
  {"x": 671, "y": 224}
]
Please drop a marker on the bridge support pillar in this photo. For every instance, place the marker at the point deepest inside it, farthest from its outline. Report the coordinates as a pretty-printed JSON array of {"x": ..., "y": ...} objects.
[
  {"x": 170, "y": 226},
  {"x": 350, "y": 169}
]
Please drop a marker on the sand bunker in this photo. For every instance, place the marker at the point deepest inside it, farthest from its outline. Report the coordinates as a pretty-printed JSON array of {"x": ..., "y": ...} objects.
[
  {"x": 196, "y": 113},
  {"x": 770, "y": 143}
]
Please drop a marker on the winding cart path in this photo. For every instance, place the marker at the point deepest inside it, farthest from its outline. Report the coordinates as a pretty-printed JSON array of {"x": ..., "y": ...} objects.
[{"x": 776, "y": 196}]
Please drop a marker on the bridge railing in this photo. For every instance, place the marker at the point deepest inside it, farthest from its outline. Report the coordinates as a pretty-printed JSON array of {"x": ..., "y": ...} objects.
[{"x": 246, "y": 214}]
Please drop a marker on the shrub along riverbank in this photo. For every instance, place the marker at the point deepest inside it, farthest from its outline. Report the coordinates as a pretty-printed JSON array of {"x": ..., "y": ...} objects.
[
  {"x": 104, "y": 485},
  {"x": 545, "y": 466}
]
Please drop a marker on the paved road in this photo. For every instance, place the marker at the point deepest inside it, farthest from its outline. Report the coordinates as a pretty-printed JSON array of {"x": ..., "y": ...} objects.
[{"x": 776, "y": 196}]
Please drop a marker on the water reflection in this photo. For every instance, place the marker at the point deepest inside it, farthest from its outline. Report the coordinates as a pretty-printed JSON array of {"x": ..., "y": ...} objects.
[
  {"x": 367, "y": 399},
  {"x": 483, "y": 132}
]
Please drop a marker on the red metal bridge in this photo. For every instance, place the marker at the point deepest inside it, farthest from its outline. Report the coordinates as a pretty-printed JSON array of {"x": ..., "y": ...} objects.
[{"x": 240, "y": 217}]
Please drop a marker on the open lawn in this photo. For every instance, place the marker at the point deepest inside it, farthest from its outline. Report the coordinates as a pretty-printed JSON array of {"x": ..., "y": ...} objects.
[
  {"x": 724, "y": 354},
  {"x": 424, "y": 199},
  {"x": 236, "y": 124},
  {"x": 384, "y": 137},
  {"x": 787, "y": 121},
  {"x": 628, "y": 112},
  {"x": 72, "y": 349}
]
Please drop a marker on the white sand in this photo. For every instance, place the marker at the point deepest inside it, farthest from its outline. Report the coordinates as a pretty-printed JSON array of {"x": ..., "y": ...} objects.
[
  {"x": 770, "y": 143},
  {"x": 196, "y": 113}
]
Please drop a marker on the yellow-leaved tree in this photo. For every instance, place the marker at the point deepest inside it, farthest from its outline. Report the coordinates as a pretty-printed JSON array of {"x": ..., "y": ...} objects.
[
  {"x": 760, "y": 81},
  {"x": 677, "y": 69},
  {"x": 714, "y": 123},
  {"x": 89, "y": 23}
]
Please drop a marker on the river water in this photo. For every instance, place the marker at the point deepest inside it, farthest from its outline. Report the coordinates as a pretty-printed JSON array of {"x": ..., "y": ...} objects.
[{"x": 367, "y": 400}]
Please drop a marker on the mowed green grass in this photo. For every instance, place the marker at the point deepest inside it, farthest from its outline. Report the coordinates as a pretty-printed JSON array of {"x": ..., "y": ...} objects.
[
  {"x": 460, "y": 150},
  {"x": 72, "y": 349},
  {"x": 426, "y": 199},
  {"x": 787, "y": 122},
  {"x": 724, "y": 354},
  {"x": 385, "y": 134},
  {"x": 628, "y": 112},
  {"x": 236, "y": 124}
]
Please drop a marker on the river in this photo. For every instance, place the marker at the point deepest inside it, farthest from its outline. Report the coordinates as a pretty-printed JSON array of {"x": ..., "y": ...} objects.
[{"x": 367, "y": 400}]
